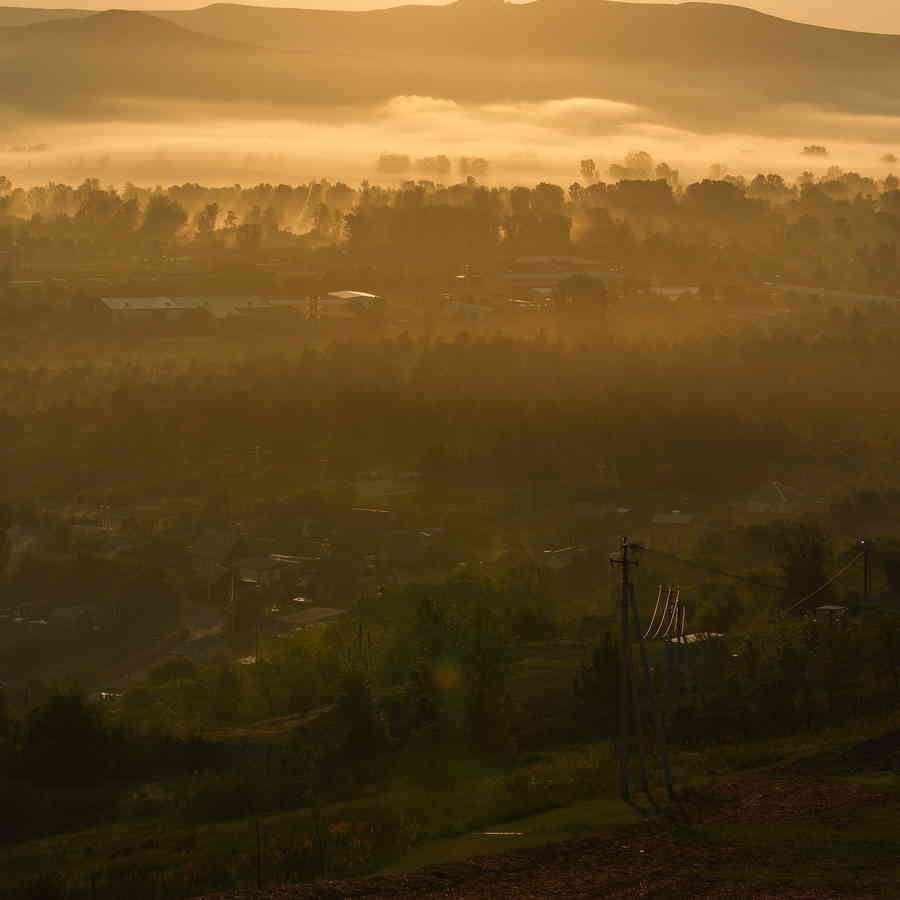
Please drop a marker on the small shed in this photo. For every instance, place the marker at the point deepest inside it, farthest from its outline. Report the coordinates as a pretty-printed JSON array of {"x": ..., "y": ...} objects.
[
  {"x": 830, "y": 614},
  {"x": 675, "y": 517},
  {"x": 262, "y": 571}
]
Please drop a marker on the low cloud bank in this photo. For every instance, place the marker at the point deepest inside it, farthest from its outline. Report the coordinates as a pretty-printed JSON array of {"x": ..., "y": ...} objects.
[{"x": 522, "y": 141}]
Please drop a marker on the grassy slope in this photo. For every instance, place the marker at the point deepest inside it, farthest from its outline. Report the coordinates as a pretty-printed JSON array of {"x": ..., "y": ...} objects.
[{"x": 424, "y": 818}]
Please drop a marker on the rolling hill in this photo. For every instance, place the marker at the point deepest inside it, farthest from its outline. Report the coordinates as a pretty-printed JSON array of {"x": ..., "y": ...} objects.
[
  {"x": 82, "y": 66},
  {"x": 705, "y": 65},
  {"x": 699, "y": 33},
  {"x": 113, "y": 30},
  {"x": 13, "y": 16}
]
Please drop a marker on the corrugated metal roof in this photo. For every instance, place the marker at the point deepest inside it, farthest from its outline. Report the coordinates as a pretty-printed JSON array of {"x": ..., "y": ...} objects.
[
  {"x": 559, "y": 260},
  {"x": 220, "y": 307},
  {"x": 150, "y": 303},
  {"x": 352, "y": 295}
]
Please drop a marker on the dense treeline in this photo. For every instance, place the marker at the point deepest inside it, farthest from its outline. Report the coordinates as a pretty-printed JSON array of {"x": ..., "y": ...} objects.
[
  {"x": 709, "y": 418},
  {"x": 837, "y": 230}
]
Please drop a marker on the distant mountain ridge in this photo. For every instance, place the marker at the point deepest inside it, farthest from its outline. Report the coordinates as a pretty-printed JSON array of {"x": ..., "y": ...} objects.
[
  {"x": 112, "y": 28},
  {"x": 707, "y": 64},
  {"x": 14, "y": 16},
  {"x": 556, "y": 27}
]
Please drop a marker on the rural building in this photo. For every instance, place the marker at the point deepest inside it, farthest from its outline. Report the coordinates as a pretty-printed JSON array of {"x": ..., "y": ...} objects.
[
  {"x": 773, "y": 497},
  {"x": 530, "y": 280},
  {"x": 316, "y": 617},
  {"x": 262, "y": 571},
  {"x": 75, "y": 618},
  {"x": 212, "y": 551},
  {"x": 345, "y": 305},
  {"x": 560, "y": 557},
  {"x": 528, "y": 273},
  {"x": 776, "y": 498},
  {"x": 675, "y": 517},
  {"x": 697, "y": 637},
  {"x": 125, "y": 309},
  {"x": 830, "y": 614},
  {"x": 141, "y": 308},
  {"x": 471, "y": 313}
]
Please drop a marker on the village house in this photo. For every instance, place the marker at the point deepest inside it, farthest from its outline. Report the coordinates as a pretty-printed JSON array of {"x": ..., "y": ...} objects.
[
  {"x": 212, "y": 551},
  {"x": 345, "y": 305},
  {"x": 123, "y": 309},
  {"x": 675, "y": 517},
  {"x": 260, "y": 571}
]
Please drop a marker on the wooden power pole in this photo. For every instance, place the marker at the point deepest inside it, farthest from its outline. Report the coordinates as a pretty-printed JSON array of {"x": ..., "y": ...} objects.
[
  {"x": 630, "y": 719},
  {"x": 631, "y": 699},
  {"x": 867, "y": 569}
]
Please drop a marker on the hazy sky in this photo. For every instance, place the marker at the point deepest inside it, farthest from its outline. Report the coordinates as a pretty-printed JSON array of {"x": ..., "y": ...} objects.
[{"x": 863, "y": 15}]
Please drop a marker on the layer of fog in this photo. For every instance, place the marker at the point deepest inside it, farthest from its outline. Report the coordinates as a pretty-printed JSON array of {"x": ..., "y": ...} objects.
[{"x": 522, "y": 142}]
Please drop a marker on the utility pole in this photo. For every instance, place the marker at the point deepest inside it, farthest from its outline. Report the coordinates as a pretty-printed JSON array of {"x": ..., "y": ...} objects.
[
  {"x": 258, "y": 856},
  {"x": 867, "y": 568},
  {"x": 629, "y": 699},
  {"x": 624, "y": 671},
  {"x": 659, "y": 725}
]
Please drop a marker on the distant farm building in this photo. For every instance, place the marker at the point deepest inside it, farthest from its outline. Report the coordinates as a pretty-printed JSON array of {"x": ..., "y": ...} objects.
[
  {"x": 146, "y": 308},
  {"x": 830, "y": 614},
  {"x": 675, "y": 517},
  {"x": 528, "y": 273},
  {"x": 262, "y": 571},
  {"x": 212, "y": 551},
  {"x": 149, "y": 308},
  {"x": 345, "y": 305}
]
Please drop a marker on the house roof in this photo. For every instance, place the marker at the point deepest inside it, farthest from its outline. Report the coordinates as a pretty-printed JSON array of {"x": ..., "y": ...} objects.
[
  {"x": 213, "y": 544},
  {"x": 696, "y": 638},
  {"x": 558, "y": 260},
  {"x": 260, "y": 563},
  {"x": 312, "y": 616},
  {"x": 553, "y": 277},
  {"x": 150, "y": 303},
  {"x": 219, "y": 307},
  {"x": 352, "y": 295},
  {"x": 675, "y": 517},
  {"x": 775, "y": 493}
]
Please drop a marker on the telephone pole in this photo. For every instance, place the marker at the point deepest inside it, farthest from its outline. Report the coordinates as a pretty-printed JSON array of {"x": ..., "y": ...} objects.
[
  {"x": 638, "y": 700},
  {"x": 629, "y": 698},
  {"x": 659, "y": 725},
  {"x": 867, "y": 568}
]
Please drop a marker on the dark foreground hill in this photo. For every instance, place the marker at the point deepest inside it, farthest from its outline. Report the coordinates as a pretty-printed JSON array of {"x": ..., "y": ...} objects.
[{"x": 809, "y": 831}]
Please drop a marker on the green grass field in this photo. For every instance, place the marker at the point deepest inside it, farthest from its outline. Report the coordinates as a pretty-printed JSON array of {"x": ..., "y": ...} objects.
[{"x": 438, "y": 809}]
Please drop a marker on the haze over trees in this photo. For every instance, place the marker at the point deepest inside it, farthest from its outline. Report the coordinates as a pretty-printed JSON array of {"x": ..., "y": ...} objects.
[
  {"x": 310, "y": 483},
  {"x": 619, "y": 51}
]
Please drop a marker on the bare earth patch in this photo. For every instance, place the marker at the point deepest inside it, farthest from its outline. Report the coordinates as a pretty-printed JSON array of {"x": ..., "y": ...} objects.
[{"x": 665, "y": 859}]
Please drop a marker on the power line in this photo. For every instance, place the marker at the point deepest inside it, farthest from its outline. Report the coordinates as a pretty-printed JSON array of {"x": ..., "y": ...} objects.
[
  {"x": 737, "y": 577},
  {"x": 830, "y": 581},
  {"x": 655, "y": 610},
  {"x": 664, "y": 615},
  {"x": 673, "y": 618},
  {"x": 713, "y": 570}
]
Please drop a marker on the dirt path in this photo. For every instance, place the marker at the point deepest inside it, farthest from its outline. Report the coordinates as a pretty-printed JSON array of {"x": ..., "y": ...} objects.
[{"x": 666, "y": 859}]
